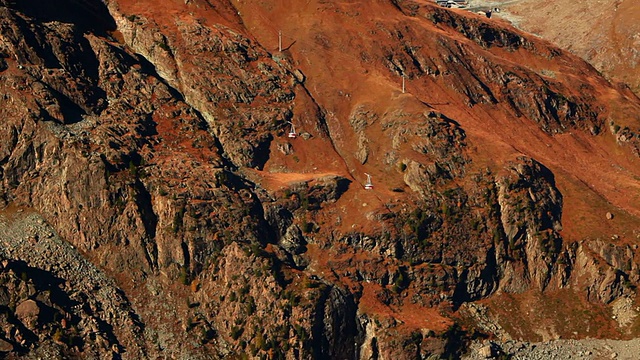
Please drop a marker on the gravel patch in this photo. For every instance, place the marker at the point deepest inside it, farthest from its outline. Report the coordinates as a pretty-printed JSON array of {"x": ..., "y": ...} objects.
[{"x": 587, "y": 349}]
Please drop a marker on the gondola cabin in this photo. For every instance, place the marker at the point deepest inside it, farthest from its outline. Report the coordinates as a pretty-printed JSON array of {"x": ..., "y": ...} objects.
[
  {"x": 368, "y": 185},
  {"x": 292, "y": 133}
]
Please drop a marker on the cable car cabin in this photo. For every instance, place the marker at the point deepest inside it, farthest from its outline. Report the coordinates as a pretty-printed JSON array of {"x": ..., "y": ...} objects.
[
  {"x": 292, "y": 133},
  {"x": 368, "y": 185}
]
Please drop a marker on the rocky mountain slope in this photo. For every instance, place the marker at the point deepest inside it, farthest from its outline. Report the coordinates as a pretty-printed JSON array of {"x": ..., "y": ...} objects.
[
  {"x": 605, "y": 33},
  {"x": 154, "y": 205}
]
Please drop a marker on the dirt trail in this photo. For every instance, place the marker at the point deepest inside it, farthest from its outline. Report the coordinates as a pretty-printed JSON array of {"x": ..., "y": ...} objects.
[{"x": 274, "y": 181}]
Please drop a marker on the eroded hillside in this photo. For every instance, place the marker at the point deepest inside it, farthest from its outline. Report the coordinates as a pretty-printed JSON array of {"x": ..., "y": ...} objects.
[
  {"x": 154, "y": 139},
  {"x": 605, "y": 33}
]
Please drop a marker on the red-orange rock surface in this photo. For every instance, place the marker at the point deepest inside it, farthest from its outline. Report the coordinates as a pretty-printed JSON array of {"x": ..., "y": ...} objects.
[{"x": 153, "y": 138}]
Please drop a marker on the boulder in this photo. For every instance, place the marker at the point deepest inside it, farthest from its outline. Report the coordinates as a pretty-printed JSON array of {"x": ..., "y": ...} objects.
[
  {"x": 293, "y": 241},
  {"x": 28, "y": 312},
  {"x": 486, "y": 351}
]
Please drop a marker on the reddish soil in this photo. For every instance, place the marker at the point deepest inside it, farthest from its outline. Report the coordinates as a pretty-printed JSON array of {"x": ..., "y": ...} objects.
[
  {"x": 554, "y": 314},
  {"x": 329, "y": 42},
  {"x": 320, "y": 38},
  {"x": 411, "y": 316}
]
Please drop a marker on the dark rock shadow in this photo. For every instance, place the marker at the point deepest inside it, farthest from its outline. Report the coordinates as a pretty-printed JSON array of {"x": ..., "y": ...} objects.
[{"x": 90, "y": 15}]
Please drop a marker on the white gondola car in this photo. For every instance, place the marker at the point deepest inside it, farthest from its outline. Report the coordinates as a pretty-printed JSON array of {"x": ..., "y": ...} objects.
[
  {"x": 292, "y": 133},
  {"x": 369, "y": 184}
]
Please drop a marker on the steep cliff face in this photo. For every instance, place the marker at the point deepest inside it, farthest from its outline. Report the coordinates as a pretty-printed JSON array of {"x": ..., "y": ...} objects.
[{"x": 153, "y": 138}]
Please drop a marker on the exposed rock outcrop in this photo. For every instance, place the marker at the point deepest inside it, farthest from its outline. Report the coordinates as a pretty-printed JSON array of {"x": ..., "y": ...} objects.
[
  {"x": 530, "y": 212},
  {"x": 153, "y": 205}
]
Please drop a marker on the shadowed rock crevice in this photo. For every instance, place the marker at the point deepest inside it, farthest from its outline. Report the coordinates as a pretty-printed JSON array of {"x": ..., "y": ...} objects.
[
  {"x": 89, "y": 15},
  {"x": 150, "y": 220},
  {"x": 337, "y": 332}
]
